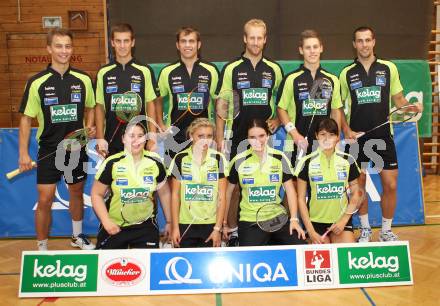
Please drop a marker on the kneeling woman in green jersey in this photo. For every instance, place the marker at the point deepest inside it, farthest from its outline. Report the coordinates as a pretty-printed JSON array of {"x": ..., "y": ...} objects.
[
  {"x": 131, "y": 177},
  {"x": 325, "y": 175},
  {"x": 261, "y": 172},
  {"x": 198, "y": 190}
]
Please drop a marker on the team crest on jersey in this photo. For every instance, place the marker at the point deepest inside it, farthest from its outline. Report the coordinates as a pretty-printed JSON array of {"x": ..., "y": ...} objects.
[
  {"x": 267, "y": 83},
  {"x": 212, "y": 176},
  {"x": 178, "y": 89},
  {"x": 342, "y": 175},
  {"x": 111, "y": 89},
  {"x": 51, "y": 101},
  {"x": 355, "y": 85},
  {"x": 136, "y": 87},
  {"x": 122, "y": 182},
  {"x": 75, "y": 97},
  {"x": 148, "y": 179},
  {"x": 202, "y": 87},
  {"x": 303, "y": 95},
  {"x": 380, "y": 80},
  {"x": 274, "y": 178},
  {"x": 243, "y": 84},
  {"x": 248, "y": 181}
]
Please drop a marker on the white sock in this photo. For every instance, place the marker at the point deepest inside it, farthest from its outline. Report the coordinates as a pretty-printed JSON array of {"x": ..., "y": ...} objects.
[
  {"x": 77, "y": 228},
  {"x": 364, "y": 221},
  {"x": 386, "y": 224},
  {"x": 42, "y": 245}
]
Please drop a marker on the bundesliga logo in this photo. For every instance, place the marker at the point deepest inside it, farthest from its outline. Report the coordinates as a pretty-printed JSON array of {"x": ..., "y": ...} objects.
[{"x": 318, "y": 269}]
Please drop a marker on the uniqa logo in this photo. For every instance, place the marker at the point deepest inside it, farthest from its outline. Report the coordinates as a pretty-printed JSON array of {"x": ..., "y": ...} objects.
[
  {"x": 78, "y": 273},
  {"x": 391, "y": 263},
  {"x": 174, "y": 277},
  {"x": 253, "y": 94},
  {"x": 63, "y": 110},
  {"x": 368, "y": 93},
  {"x": 221, "y": 271},
  {"x": 123, "y": 272}
]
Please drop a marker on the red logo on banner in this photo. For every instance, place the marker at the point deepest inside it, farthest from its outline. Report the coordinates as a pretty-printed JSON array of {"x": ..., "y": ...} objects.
[
  {"x": 317, "y": 259},
  {"x": 123, "y": 272}
]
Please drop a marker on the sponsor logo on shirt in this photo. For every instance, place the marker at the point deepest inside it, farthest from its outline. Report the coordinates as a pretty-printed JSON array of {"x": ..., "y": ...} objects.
[
  {"x": 134, "y": 195},
  {"x": 202, "y": 87},
  {"x": 342, "y": 175},
  {"x": 187, "y": 177},
  {"x": 178, "y": 88},
  {"x": 121, "y": 169},
  {"x": 327, "y": 191},
  {"x": 243, "y": 84},
  {"x": 314, "y": 107},
  {"x": 247, "y": 181},
  {"x": 266, "y": 83},
  {"x": 255, "y": 96},
  {"x": 136, "y": 87},
  {"x": 194, "y": 99},
  {"x": 111, "y": 89},
  {"x": 262, "y": 194},
  {"x": 274, "y": 178},
  {"x": 75, "y": 97},
  {"x": 148, "y": 179},
  {"x": 63, "y": 113},
  {"x": 381, "y": 80},
  {"x": 122, "y": 182},
  {"x": 51, "y": 101},
  {"x": 124, "y": 102},
  {"x": 355, "y": 85},
  {"x": 304, "y": 95},
  {"x": 212, "y": 176},
  {"x": 366, "y": 95},
  {"x": 199, "y": 192},
  {"x": 317, "y": 178}
]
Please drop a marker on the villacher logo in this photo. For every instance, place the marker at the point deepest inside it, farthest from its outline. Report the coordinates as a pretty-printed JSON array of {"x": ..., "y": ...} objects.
[
  {"x": 123, "y": 272},
  {"x": 318, "y": 270}
]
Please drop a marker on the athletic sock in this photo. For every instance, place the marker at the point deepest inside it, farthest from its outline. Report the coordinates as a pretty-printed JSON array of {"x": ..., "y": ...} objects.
[
  {"x": 77, "y": 228},
  {"x": 386, "y": 224},
  {"x": 364, "y": 221},
  {"x": 42, "y": 245}
]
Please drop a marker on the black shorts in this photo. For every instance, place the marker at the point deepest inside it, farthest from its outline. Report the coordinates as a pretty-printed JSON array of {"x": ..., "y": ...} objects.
[
  {"x": 196, "y": 235},
  {"x": 249, "y": 234},
  {"x": 321, "y": 228},
  {"x": 139, "y": 236},
  {"x": 382, "y": 152},
  {"x": 71, "y": 165}
]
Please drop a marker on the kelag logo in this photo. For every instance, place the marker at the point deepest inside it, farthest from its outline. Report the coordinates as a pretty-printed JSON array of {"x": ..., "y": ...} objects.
[
  {"x": 373, "y": 264},
  {"x": 238, "y": 269},
  {"x": 59, "y": 273}
]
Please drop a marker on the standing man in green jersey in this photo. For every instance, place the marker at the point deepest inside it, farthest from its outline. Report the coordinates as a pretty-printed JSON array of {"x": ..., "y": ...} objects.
[
  {"x": 189, "y": 77},
  {"x": 365, "y": 75},
  {"x": 122, "y": 75},
  {"x": 61, "y": 99},
  {"x": 295, "y": 106},
  {"x": 255, "y": 79}
]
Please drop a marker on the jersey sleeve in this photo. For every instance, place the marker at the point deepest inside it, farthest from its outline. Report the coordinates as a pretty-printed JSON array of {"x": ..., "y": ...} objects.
[
  {"x": 395, "y": 85},
  {"x": 336, "y": 94},
  {"x": 90, "y": 95},
  {"x": 150, "y": 84},
  {"x": 285, "y": 98},
  {"x": 162, "y": 83},
  {"x": 223, "y": 170},
  {"x": 354, "y": 171},
  {"x": 31, "y": 102},
  {"x": 225, "y": 80},
  {"x": 162, "y": 175},
  {"x": 104, "y": 174},
  {"x": 175, "y": 168},
  {"x": 99, "y": 93},
  {"x": 287, "y": 168},
  {"x": 343, "y": 85},
  {"x": 233, "y": 174}
]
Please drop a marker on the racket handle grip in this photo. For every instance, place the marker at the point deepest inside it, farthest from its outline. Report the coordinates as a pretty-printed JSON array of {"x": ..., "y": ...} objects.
[
  {"x": 326, "y": 233},
  {"x": 14, "y": 173}
]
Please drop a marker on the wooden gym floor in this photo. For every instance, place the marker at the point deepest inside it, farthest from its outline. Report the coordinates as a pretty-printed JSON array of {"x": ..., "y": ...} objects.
[{"x": 425, "y": 256}]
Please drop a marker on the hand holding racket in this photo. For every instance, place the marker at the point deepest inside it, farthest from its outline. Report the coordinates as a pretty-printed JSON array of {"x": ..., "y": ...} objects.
[
  {"x": 73, "y": 141},
  {"x": 349, "y": 203},
  {"x": 316, "y": 104},
  {"x": 411, "y": 112}
]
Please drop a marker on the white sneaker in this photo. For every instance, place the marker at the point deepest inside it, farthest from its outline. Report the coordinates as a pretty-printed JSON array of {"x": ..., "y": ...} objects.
[
  {"x": 388, "y": 236},
  {"x": 83, "y": 242},
  {"x": 365, "y": 235},
  {"x": 42, "y": 246}
]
